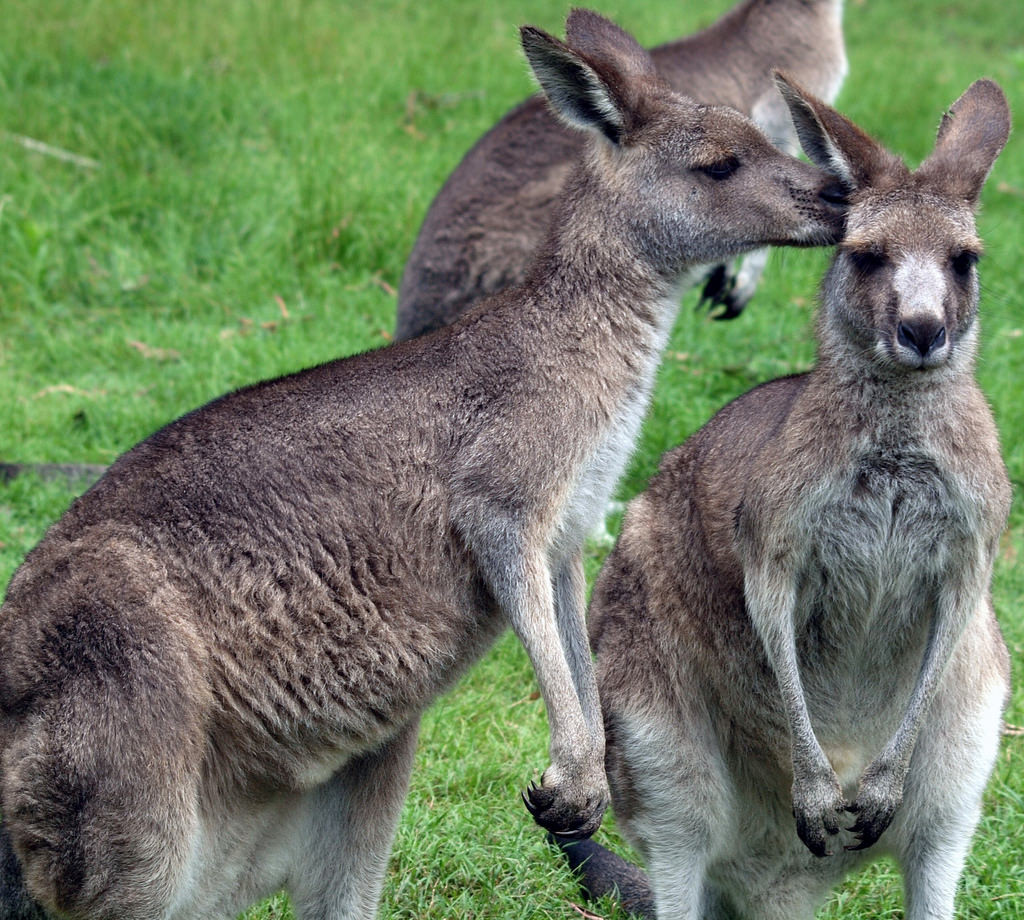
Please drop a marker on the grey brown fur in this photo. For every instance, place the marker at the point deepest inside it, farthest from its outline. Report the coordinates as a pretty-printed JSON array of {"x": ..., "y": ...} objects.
[
  {"x": 796, "y": 620},
  {"x": 483, "y": 228},
  {"x": 212, "y": 668}
]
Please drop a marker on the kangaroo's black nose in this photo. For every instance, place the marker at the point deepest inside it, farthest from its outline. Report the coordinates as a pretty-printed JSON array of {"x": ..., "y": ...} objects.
[
  {"x": 834, "y": 193},
  {"x": 923, "y": 336}
]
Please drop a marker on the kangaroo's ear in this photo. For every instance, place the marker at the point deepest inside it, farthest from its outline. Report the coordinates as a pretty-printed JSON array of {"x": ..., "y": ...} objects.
[
  {"x": 593, "y": 81},
  {"x": 834, "y": 143},
  {"x": 971, "y": 135}
]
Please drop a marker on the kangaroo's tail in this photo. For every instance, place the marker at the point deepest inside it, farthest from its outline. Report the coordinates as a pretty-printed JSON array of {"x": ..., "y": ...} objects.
[
  {"x": 602, "y": 872},
  {"x": 15, "y": 901}
]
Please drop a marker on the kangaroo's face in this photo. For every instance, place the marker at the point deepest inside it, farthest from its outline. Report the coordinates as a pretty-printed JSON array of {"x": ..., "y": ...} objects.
[
  {"x": 908, "y": 266},
  {"x": 705, "y": 179},
  {"x": 902, "y": 292},
  {"x": 682, "y": 182}
]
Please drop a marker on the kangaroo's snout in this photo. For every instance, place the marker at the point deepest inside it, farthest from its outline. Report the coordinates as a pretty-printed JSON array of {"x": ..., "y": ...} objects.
[
  {"x": 833, "y": 200},
  {"x": 821, "y": 198},
  {"x": 834, "y": 193},
  {"x": 924, "y": 338}
]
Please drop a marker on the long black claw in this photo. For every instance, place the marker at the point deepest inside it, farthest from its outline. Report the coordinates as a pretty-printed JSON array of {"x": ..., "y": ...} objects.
[
  {"x": 816, "y": 842},
  {"x": 577, "y": 833},
  {"x": 716, "y": 287},
  {"x": 718, "y": 292},
  {"x": 732, "y": 309}
]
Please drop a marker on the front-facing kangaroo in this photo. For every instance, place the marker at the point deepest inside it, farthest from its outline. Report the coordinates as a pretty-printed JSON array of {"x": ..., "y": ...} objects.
[
  {"x": 796, "y": 619},
  {"x": 213, "y": 666}
]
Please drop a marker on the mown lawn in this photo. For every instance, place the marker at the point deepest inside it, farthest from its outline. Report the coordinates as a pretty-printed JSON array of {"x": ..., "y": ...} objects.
[{"x": 230, "y": 192}]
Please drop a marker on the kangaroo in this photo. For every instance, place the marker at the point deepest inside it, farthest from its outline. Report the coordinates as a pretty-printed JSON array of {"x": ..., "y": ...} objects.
[
  {"x": 796, "y": 620},
  {"x": 483, "y": 228},
  {"x": 212, "y": 668},
  {"x": 481, "y": 231}
]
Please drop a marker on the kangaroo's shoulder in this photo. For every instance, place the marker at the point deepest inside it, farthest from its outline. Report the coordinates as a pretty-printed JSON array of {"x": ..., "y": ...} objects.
[{"x": 738, "y": 432}]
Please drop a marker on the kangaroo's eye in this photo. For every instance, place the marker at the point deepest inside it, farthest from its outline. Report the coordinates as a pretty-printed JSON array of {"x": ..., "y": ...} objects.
[
  {"x": 867, "y": 261},
  {"x": 963, "y": 262},
  {"x": 721, "y": 169}
]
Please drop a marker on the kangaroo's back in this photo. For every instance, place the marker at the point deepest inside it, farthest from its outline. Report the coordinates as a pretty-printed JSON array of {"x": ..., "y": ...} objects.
[{"x": 732, "y": 60}]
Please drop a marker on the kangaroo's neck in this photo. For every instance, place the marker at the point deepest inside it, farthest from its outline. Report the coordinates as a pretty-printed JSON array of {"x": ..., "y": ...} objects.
[
  {"x": 598, "y": 283},
  {"x": 593, "y": 271}
]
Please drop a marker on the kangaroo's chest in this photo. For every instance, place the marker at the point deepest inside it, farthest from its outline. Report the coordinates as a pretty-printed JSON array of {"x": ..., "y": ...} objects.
[
  {"x": 886, "y": 529},
  {"x": 597, "y": 476},
  {"x": 595, "y": 484},
  {"x": 875, "y": 538},
  {"x": 884, "y": 538}
]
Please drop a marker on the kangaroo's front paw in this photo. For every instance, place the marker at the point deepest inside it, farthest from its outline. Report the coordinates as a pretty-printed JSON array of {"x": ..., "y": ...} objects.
[
  {"x": 569, "y": 810},
  {"x": 879, "y": 796},
  {"x": 818, "y": 804}
]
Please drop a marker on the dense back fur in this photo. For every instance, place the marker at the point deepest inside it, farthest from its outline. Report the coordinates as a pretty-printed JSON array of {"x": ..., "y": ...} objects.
[
  {"x": 483, "y": 228},
  {"x": 213, "y": 666},
  {"x": 796, "y": 620}
]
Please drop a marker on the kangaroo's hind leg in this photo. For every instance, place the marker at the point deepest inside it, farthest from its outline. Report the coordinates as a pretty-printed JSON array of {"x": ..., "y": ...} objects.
[
  {"x": 104, "y": 709},
  {"x": 349, "y": 829},
  {"x": 673, "y": 801},
  {"x": 952, "y": 762},
  {"x": 15, "y": 901}
]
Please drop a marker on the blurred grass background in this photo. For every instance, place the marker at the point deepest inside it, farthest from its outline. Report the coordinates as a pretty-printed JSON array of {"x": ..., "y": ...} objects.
[{"x": 229, "y": 193}]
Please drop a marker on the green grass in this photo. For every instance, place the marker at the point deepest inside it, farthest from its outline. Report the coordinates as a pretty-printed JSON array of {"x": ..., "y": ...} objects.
[{"x": 262, "y": 171}]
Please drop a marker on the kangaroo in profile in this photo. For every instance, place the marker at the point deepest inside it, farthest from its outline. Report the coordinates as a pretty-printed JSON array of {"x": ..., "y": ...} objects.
[
  {"x": 483, "y": 228},
  {"x": 212, "y": 668},
  {"x": 796, "y": 619}
]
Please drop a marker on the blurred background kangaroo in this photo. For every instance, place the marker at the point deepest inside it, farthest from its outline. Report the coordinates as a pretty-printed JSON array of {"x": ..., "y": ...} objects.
[
  {"x": 483, "y": 228},
  {"x": 796, "y": 620},
  {"x": 212, "y": 668}
]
